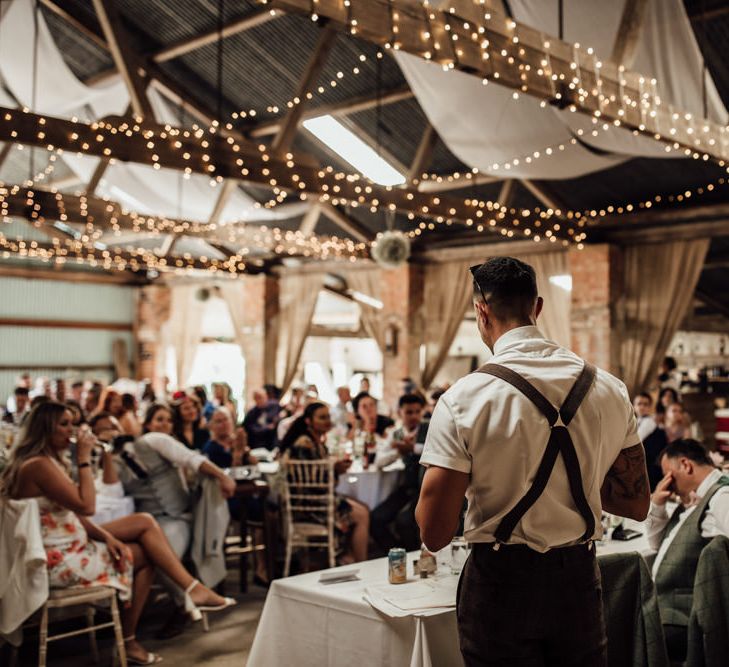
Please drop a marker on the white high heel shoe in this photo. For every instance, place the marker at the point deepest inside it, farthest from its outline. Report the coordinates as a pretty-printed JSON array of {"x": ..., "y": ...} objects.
[{"x": 196, "y": 613}]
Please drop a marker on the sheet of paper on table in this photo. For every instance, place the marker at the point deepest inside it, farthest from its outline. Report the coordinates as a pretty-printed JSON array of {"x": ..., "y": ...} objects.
[{"x": 417, "y": 597}]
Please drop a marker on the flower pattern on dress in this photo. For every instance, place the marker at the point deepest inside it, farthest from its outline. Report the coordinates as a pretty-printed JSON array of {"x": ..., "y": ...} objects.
[{"x": 73, "y": 559}]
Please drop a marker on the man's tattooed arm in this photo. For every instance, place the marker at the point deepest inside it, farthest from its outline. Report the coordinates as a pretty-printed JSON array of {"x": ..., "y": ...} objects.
[{"x": 625, "y": 490}]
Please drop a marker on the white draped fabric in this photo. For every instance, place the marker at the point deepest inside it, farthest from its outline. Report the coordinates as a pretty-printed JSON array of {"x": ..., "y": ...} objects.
[
  {"x": 184, "y": 328},
  {"x": 447, "y": 293},
  {"x": 554, "y": 321},
  {"x": 59, "y": 93},
  {"x": 298, "y": 293},
  {"x": 367, "y": 281},
  {"x": 233, "y": 293},
  {"x": 660, "y": 279},
  {"x": 484, "y": 125}
]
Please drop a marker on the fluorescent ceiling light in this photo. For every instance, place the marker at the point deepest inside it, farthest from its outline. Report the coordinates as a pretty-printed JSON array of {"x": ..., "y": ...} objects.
[
  {"x": 349, "y": 146},
  {"x": 563, "y": 281}
]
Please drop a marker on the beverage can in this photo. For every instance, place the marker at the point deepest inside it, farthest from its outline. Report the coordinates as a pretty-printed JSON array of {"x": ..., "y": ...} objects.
[{"x": 397, "y": 566}]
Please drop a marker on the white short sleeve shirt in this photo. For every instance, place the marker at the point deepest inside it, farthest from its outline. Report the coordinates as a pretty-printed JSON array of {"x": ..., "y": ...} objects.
[{"x": 485, "y": 427}]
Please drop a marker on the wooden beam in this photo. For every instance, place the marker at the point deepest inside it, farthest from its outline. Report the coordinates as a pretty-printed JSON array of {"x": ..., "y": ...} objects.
[
  {"x": 506, "y": 192},
  {"x": 511, "y": 47},
  {"x": 355, "y": 229},
  {"x": 232, "y": 160},
  {"x": 257, "y": 17},
  {"x": 546, "y": 198},
  {"x": 712, "y": 302},
  {"x": 324, "y": 45},
  {"x": 226, "y": 192},
  {"x": 424, "y": 154},
  {"x": 66, "y": 275},
  {"x": 125, "y": 60},
  {"x": 320, "y": 331},
  {"x": 450, "y": 183},
  {"x": 308, "y": 222},
  {"x": 707, "y": 15},
  {"x": 64, "y": 324},
  {"x": 165, "y": 250},
  {"x": 656, "y": 233},
  {"x": 77, "y": 25},
  {"x": 104, "y": 161},
  {"x": 350, "y": 106},
  {"x": 628, "y": 36}
]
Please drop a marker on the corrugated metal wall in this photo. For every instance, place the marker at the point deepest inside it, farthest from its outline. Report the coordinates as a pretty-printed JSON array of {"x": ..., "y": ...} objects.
[{"x": 65, "y": 347}]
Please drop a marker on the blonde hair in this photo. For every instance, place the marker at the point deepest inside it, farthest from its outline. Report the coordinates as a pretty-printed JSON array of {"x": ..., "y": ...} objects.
[{"x": 33, "y": 440}]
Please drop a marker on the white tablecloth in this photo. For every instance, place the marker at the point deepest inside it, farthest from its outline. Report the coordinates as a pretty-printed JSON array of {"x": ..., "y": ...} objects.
[
  {"x": 307, "y": 623},
  {"x": 369, "y": 486}
]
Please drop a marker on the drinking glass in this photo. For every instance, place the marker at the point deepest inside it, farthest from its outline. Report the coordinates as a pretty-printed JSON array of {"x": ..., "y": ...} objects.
[{"x": 459, "y": 554}]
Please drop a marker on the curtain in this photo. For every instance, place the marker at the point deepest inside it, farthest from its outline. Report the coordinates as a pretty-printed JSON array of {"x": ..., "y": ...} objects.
[
  {"x": 233, "y": 293},
  {"x": 367, "y": 281},
  {"x": 185, "y": 327},
  {"x": 297, "y": 299},
  {"x": 554, "y": 321},
  {"x": 660, "y": 280},
  {"x": 448, "y": 293}
]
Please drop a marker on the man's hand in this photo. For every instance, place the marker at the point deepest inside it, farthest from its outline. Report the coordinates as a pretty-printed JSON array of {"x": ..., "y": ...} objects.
[{"x": 663, "y": 490}]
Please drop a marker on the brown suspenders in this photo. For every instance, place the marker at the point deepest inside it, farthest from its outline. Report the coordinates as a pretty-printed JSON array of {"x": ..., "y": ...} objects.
[{"x": 559, "y": 442}]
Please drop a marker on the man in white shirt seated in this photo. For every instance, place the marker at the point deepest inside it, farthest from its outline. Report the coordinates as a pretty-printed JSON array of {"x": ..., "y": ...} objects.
[
  {"x": 702, "y": 514},
  {"x": 399, "y": 507}
]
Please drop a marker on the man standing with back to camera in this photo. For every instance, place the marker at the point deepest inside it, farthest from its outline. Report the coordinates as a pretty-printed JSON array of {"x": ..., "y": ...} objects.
[{"x": 540, "y": 442}]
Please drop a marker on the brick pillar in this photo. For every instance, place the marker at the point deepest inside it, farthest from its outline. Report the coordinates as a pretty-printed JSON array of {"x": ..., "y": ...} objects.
[
  {"x": 402, "y": 299},
  {"x": 153, "y": 310},
  {"x": 259, "y": 347},
  {"x": 597, "y": 289}
]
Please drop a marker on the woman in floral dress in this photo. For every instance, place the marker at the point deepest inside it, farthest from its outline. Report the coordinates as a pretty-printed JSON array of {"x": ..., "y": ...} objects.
[{"x": 121, "y": 554}]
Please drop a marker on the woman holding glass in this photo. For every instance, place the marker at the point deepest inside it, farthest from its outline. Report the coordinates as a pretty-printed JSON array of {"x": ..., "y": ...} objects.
[
  {"x": 121, "y": 554},
  {"x": 305, "y": 440}
]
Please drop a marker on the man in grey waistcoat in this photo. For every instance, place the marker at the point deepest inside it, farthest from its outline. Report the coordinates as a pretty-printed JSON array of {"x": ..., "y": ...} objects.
[{"x": 703, "y": 513}]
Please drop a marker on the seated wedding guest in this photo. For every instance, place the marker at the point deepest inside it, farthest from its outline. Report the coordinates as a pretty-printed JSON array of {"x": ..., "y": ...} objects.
[
  {"x": 21, "y": 406},
  {"x": 91, "y": 400},
  {"x": 147, "y": 397},
  {"x": 653, "y": 437},
  {"x": 42, "y": 387},
  {"x": 228, "y": 447},
  {"x": 667, "y": 396},
  {"x": 77, "y": 412},
  {"x": 222, "y": 397},
  {"x": 295, "y": 404},
  {"x": 77, "y": 391},
  {"x": 306, "y": 441},
  {"x": 59, "y": 390},
  {"x": 366, "y": 417},
  {"x": 669, "y": 376},
  {"x": 106, "y": 427},
  {"x": 703, "y": 513},
  {"x": 678, "y": 426},
  {"x": 187, "y": 420},
  {"x": 122, "y": 554},
  {"x": 393, "y": 520},
  {"x": 149, "y": 469},
  {"x": 342, "y": 412},
  {"x": 261, "y": 421},
  {"x": 128, "y": 419},
  {"x": 207, "y": 406}
]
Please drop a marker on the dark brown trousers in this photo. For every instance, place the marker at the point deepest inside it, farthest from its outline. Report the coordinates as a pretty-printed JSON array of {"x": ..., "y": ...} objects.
[{"x": 520, "y": 608}]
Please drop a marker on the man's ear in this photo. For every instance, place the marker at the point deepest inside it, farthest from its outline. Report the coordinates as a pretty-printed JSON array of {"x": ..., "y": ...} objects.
[
  {"x": 482, "y": 310},
  {"x": 539, "y": 306}
]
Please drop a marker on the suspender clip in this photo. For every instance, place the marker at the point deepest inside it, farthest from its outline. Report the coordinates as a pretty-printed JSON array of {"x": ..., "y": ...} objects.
[{"x": 497, "y": 545}]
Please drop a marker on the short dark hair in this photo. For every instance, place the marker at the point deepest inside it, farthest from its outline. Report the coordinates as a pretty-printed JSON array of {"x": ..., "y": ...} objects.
[
  {"x": 98, "y": 417},
  {"x": 670, "y": 362},
  {"x": 78, "y": 383},
  {"x": 22, "y": 391},
  {"x": 409, "y": 399},
  {"x": 693, "y": 450},
  {"x": 508, "y": 285},
  {"x": 645, "y": 394}
]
